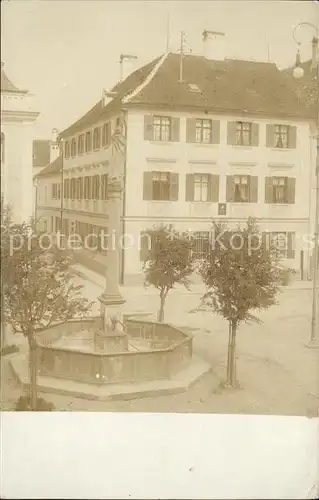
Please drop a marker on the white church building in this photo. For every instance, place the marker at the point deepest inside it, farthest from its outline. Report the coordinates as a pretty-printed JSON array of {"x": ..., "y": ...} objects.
[{"x": 17, "y": 123}]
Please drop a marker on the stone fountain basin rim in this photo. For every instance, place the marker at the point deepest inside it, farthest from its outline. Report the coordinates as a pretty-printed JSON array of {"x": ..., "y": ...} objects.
[{"x": 187, "y": 336}]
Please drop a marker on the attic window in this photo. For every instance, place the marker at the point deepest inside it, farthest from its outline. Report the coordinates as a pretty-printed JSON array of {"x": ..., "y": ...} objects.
[{"x": 193, "y": 87}]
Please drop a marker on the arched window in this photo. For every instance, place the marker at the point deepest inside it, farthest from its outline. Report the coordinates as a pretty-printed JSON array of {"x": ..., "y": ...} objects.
[{"x": 2, "y": 147}]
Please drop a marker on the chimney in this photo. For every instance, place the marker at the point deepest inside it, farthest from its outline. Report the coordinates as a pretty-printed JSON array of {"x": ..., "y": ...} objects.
[
  {"x": 213, "y": 45},
  {"x": 54, "y": 146},
  {"x": 127, "y": 65}
]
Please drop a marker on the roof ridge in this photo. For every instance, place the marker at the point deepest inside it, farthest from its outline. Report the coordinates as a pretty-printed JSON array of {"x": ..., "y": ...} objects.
[{"x": 147, "y": 80}]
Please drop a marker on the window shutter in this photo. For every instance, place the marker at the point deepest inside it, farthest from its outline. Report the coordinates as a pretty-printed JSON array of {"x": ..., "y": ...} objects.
[
  {"x": 290, "y": 245},
  {"x": 173, "y": 187},
  {"x": 268, "y": 190},
  {"x": 90, "y": 187},
  {"x": 270, "y": 136},
  {"x": 144, "y": 247},
  {"x": 213, "y": 188},
  {"x": 229, "y": 188},
  {"x": 255, "y": 134},
  {"x": 175, "y": 129},
  {"x": 253, "y": 189},
  {"x": 231, "y": 133},
  {"x": 291, "y": 189},
  {"x": 266, "y": 240},
  {"x": 148, "y": 127},
  {"x": 215, "y": 131},
  {"x": 292, "y": 139},
  {"x": 147, "y": 185},
  {"x": 109, "y": 134},
  {"x": 191, "y": 130},
  {"x": 189, "y": 187},
  {"x": 53, "y": 190}
]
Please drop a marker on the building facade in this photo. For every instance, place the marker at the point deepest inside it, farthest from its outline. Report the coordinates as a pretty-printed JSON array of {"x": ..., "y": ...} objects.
[
  {"x": 17, "y": 120},
  {"x": 227, "y": 141}
]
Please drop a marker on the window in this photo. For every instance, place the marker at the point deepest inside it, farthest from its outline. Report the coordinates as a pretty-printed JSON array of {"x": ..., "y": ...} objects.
[
  {"x": 241, "y": 188},
  {"x": 96, "y": 187},
  {"x": 88, "y": 142},
  {"x": 201, "y": 184},
  {"x": 161, "y": 185},
  {"x": 193, "y": 87},
  {"x": 201, "y": 243},
  {"x": 67, "y": 149},
  {"x": 73, "y": 189},
  {"x": 280, "y": 241},
  {"x": 56, "y": 191},
  {"x": 66, "y": 189},
  {"x": 203, "y": 131},
  {"x": 57, "y": 224},
  {"x": 97, "y": 138},
  {"x": 279, "y": 190},
  {"x": 79, "y": 188},
  {"x": 162, "y": 128},
  {"x": 2, "y": 147},
  {"x": 87, "y": 188},
  {"x": 81, "y": 144},
  {"x": 104, "y": 179},
  {"x": 281, "y": 136},
  {"x": 73, "y": 147},
  {"x": 105, "y": 134},
  {"x": 243, "y": 134},
  {"x": 284, "y": 242}
]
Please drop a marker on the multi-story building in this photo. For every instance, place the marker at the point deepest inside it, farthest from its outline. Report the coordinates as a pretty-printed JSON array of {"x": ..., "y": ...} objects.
[
  {"x": 203, "y": 139},
  {"x": 45, "y": 152},
  {"x": 17, "y": 120}
]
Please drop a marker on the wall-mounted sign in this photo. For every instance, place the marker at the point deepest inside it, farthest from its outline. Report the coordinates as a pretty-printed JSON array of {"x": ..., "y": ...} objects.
[{"x": 222, "y": 208}]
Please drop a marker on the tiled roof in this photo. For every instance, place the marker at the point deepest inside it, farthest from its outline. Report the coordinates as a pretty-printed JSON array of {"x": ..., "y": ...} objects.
[
  {"x": 6, "y": 84},
  {"x": 121, "y": 89},
  {"x": 53, "y": 168},
  {"x": 41, "y": 153},
  {"x": 233, "y": 86},
  {"x": 229, "y": 85}
]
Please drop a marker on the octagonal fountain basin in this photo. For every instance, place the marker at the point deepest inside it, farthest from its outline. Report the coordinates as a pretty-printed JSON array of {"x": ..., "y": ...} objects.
[{"x": 82, "y": 350}]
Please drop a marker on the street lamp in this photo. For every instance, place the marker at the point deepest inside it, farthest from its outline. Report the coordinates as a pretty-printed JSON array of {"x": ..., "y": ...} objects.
[{"x": 298, "y": 73}]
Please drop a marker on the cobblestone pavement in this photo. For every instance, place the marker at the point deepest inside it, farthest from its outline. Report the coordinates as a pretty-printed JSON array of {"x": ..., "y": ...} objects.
[{"x": 277, "y": 373}]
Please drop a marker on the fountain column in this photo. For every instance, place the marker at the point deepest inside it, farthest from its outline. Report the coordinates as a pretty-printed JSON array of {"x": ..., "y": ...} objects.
[{"x": 111, "y": 299}]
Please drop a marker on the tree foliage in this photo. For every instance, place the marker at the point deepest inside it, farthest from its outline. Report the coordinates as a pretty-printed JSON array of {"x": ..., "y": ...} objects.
[
  {"x": 37, "y": 287},
  {"x": 242, "y": 275},
  {"x": 169, "y": 261}
]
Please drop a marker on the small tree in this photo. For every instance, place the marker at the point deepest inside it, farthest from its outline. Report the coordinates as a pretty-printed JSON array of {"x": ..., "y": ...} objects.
[
  {"x": 38, "y": 290},
  {"x": 241, "y": 274},
  {"x": 168, "y": 262}
]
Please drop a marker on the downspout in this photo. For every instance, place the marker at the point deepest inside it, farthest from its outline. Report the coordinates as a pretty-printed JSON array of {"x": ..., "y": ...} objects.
[
  {"x": 124, "y": 199},
  {"x": 62, "y": 189}
]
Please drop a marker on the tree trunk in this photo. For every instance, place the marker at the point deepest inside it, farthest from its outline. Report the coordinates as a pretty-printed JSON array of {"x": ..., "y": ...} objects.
[
  {"x": 231, "y": 359},
  {"x": 160, "y": 316},
  {"x": 33, "y": 370}
]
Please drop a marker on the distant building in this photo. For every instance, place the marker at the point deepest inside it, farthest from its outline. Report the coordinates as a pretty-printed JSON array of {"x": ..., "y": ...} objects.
[
  {"x": 17, "y": 120},
  {"x": 45, "y": 152},
  {"x": 204, "y": 138}
]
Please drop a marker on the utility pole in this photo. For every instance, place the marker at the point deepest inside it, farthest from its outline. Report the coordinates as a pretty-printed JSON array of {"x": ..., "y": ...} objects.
[
  {"x": 183, "y": 39},
  {"x": 62, "y": 187},
  {"x": 298, "y": 73},
  {"x": 168, "y": 30}
]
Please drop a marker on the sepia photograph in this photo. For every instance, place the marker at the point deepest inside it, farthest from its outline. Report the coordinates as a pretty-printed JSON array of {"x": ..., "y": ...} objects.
[{"x": 160, "y": 207}]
